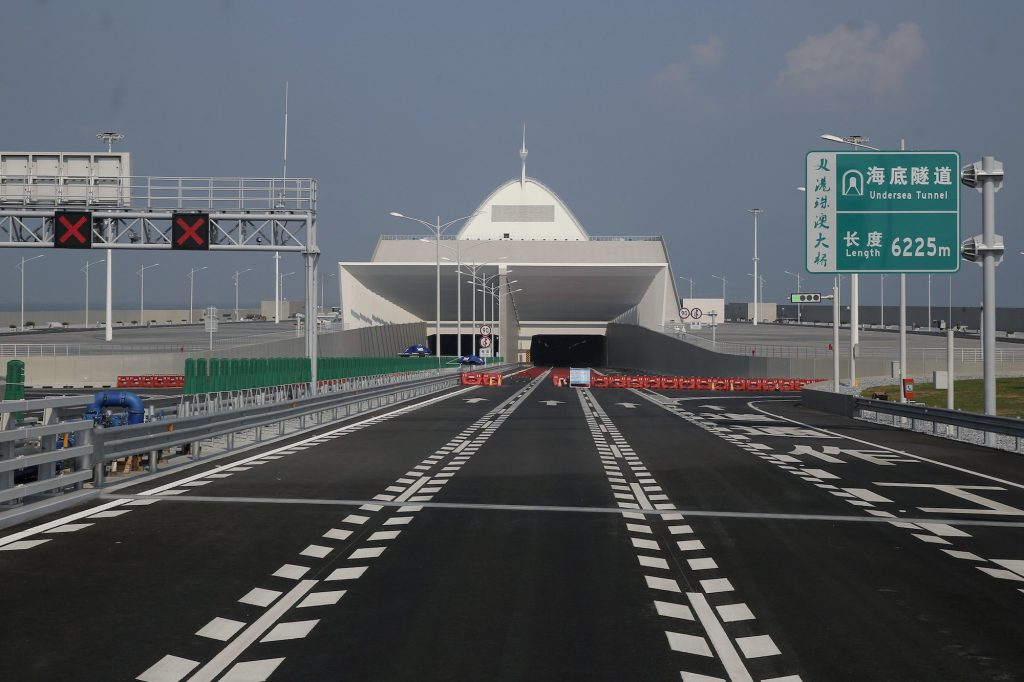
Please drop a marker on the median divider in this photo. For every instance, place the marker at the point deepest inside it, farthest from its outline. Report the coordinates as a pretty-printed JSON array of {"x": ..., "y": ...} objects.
[{"x": 692, "y": 383}]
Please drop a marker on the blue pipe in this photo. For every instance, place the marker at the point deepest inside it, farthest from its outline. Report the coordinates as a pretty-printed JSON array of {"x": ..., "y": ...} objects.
[{"x": 136, "y": 411}]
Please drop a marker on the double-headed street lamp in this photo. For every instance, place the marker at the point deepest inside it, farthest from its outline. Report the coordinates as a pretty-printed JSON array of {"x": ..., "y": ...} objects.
[
  {"x": 191, "y": 289},
  {"x": 457, "y": 250},
  {"x": 237, "y": 274},
  {"x": 85, "y": 269},
  {"x": 21, "y": 266},
  {"x": 141, "y": 272},
  {"x": 437, "y": 228}
]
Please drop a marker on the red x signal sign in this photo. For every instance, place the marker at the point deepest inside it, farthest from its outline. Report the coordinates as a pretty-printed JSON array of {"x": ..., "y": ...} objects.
[
  {"x": 72, "y": 229},
  {"x": 190, "y": 231}
]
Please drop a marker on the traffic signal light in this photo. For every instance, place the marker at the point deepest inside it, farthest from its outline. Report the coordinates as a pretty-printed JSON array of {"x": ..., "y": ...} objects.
[
  {"x": 805, "y": 298},
  {"x": 72, "y": 229}
]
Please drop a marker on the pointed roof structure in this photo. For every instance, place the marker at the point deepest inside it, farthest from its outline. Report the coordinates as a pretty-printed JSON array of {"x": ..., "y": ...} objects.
[{"x": 523, "y": 209}]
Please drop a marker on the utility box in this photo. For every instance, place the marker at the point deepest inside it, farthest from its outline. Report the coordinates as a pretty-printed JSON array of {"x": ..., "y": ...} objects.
[
  {"x": 941, "y": 379},
  {"x": 895, "y": 369}
]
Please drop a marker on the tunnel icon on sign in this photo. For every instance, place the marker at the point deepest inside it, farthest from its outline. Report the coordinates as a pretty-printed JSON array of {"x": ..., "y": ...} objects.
[{"x": 853, "y": 183}]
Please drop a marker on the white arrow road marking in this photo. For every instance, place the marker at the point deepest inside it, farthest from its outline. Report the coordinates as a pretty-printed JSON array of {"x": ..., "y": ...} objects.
[
  {"x": 550, "y": 402},
  {"x": 628, "y": 406},
  {"x": 475, "y": 400}
]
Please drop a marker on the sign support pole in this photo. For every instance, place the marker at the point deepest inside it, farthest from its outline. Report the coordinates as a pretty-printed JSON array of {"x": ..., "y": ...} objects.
[
  {"x": 108, "y": 334},
  {"x": 311, "y": 256},
  {"x": 903, "y": 334},
  {"x": 949, "y": 368},
  {"x": 988, "y": 220},
  {"x": 835, "y": 334},
  {"x": 854, "y": 325}
]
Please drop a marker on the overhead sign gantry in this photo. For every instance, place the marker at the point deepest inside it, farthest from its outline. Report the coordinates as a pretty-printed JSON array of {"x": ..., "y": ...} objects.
[{"x": 91, "y": 201}]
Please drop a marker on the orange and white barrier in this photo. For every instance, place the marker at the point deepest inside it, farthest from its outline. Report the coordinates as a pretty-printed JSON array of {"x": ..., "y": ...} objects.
[
  {"x": 481, "y": 378},
  {"x": 695, "y": 383},
  {"x": 151, "y": 381}
]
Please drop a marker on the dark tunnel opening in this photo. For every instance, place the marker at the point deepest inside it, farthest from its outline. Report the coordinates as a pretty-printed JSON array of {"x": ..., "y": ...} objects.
[{"x": 567, "y": 350}]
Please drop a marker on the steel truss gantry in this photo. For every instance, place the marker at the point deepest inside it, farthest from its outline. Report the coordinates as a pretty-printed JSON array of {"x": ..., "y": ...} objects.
[{"x": 245, "y": 214}]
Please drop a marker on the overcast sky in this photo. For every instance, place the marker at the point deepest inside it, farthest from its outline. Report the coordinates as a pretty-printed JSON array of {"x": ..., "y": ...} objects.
[{"x": 650, "y": 118}]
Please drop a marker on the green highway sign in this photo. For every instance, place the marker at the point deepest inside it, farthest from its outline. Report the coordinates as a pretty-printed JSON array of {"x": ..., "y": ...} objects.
[
  {"x": 805, "y": 298},
  {"x": 883, "y": 212}
]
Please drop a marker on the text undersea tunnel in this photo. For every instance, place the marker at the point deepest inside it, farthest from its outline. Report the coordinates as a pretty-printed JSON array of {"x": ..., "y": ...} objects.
[{"x": 568, "y": 350}]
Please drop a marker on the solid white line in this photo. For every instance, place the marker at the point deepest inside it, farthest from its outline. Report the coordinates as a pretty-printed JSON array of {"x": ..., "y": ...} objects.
[
  {"x": 28, "y": 532},
  {"x": 233, "y": 650},
  {"x": 893, "y": 450},
  {"x": 716, "y": 633}
]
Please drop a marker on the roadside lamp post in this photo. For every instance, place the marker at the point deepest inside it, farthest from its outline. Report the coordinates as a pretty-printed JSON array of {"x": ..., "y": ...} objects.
[
  {"x": 141, "y": 272},
  {"x": 110, "y": 138},
  {"x": 756, "y": 212},
  {"x": 857, "y": 142},
  {"x": 236, "y": 276},
  {"x": 21, "y": 266},
  {"x": 798, "y": 305},
  {"x": 191, "y": 289},
  {"x": 724, "y": 282},
  {"x": 323, "y": 278},
  {"x": 457, "y": 250},
  {"x": 687, "y": 279},
  {"x": 437, "y": 228},
  {"x": 760, "y": 285},
  {"x": 283, "y": 275},
  {"x": 85, "y": 269},
  {"x": 881, "y": 300}
]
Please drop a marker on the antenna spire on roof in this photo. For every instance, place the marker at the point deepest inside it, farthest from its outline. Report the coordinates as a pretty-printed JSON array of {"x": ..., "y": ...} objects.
[{"x": 522, "y": 157}]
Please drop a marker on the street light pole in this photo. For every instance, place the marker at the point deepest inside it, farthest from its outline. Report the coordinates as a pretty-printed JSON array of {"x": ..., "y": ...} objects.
[
  {"x": 322, "y": 279},
  {"x": 437, "y": 228},
  {"x": 724, "y": 282},
  {"x": 237, "y": 274},
  {"x": 141, "y": 272},
  {"x": 21, "y": 267},
  {"x": 191, "y": 287},
  {"x": 687, "y": 279},
  {"x": 85, "y": 269},
  {"x": 757, "y": 311},
  {"x": 799, "y": 306}
]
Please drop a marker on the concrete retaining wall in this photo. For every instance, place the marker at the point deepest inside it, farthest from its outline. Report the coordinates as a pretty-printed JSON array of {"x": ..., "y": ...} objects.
[{"x": 632, "y": 347}]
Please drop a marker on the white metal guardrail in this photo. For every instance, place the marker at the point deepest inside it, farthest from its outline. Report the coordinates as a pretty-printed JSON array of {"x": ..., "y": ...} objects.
[
  {"x": 34, "y": 449},
  {"x": 954, "y": 424},
  {"x": 81, "y": 471}
]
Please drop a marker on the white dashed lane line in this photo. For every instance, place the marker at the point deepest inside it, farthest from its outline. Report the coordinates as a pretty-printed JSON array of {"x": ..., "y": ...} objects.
[
  {"x": 696, "y": 621},
  {"x": 937, "y": 534},
  {"x": 373, "y": 532},
  {"x": 17, "y": 541}
]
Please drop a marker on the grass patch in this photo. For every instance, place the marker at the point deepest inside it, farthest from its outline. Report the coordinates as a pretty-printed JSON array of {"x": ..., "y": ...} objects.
[{"x": 968, "y": 395}]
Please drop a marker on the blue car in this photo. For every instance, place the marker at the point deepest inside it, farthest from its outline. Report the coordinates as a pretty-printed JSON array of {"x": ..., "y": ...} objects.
[
  {"x": 470, "y": 360},
  {"x": 416, "y": 349}
]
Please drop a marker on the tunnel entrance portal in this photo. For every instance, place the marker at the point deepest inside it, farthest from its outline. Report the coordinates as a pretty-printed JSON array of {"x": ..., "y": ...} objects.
[{"x": 568, "y": 350}]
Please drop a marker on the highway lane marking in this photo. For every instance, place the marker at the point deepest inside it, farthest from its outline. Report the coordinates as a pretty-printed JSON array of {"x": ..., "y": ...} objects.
[
  {"x": 782, "y": 516},
  {"x": 893, "y": 450},
  {"x": 478, "y": 432},
  {"x": 219, "y": 471},
  {"x": 644, "y": 538},
  {"x": 936, "y": 531}
]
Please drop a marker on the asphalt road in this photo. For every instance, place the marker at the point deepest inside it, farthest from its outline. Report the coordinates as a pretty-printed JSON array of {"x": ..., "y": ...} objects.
[{"x": 537, "y": 533}]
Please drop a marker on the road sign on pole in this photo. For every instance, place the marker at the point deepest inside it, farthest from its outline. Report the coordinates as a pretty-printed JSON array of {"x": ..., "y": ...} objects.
[
  {"x": 485, "y": 330},
  {"x": 684, "y": 313},
  {"x": 696, "y": 313},
  {"x": 882, "y": 212},
  {"x": 485, "y": 342}
]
